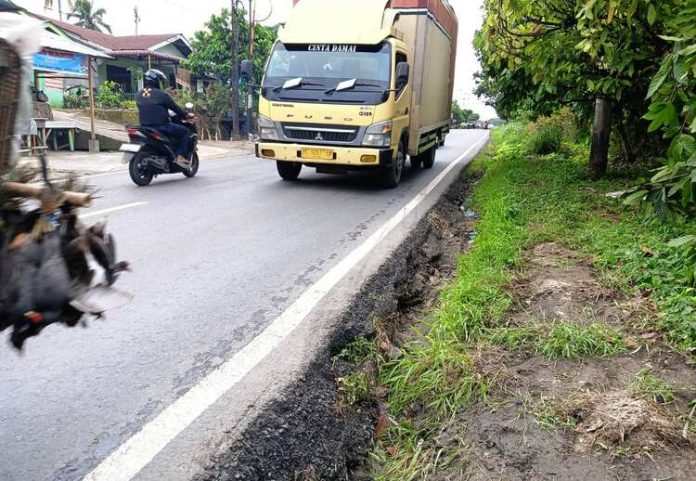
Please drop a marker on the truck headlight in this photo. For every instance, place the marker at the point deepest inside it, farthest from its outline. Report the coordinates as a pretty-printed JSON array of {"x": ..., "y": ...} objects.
[
  {"x": 379, "y": 135},
  {"x": 267, "y": 129}
]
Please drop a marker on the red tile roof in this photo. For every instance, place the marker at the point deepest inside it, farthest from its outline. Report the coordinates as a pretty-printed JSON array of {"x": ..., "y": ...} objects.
[
  {"x": 144, "y": 53},
  {"x": 110, "y": 42}
]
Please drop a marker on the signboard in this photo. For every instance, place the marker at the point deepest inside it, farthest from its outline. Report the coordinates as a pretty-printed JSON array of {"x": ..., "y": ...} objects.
[
  {"x": 51, "y": 60},
  {"x": 332, "y": 48}
]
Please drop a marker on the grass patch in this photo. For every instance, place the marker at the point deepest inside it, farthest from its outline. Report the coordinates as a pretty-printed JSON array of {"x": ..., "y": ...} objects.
[
  {"x": 571, "y": 341},
  {"x": 524, "y": 200},
  {"x": 354, "y": 388},
  {"x": 359, "y": 351},
  {"x": 435, "y": 381},
  {"x": 548, "y": 413},
  {"x": 647, "y": 386},
  {"x": 561, "y": 341}
]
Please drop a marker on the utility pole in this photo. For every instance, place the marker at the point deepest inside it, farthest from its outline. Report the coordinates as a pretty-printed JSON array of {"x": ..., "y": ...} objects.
[
  {"x": 93, "y": 143},
  {"x": 137, "y": 19},
  {"x": 250, "y": 81},
  {"x": 48, "y": 4},
  {"x": 235, "y": 69}
]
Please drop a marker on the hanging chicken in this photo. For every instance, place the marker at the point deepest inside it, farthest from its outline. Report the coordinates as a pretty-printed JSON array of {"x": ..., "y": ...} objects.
[{"x": 53, "y": 269}]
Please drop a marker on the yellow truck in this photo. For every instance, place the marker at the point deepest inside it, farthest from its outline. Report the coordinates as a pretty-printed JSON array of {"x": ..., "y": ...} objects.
[{"x": 359, "y": 85}]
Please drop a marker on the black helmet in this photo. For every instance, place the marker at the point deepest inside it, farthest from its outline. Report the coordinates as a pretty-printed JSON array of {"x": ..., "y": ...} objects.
[{"x": 155, "y": 79}]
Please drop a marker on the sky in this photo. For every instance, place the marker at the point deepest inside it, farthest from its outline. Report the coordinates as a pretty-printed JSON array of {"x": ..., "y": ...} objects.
[{"x": 187, "y": 16}]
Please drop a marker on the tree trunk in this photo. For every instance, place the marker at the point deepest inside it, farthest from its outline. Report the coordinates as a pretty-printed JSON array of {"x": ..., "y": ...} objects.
[
  {"x": 601, "y": 136},
  {"x": 628, "y": 152}
]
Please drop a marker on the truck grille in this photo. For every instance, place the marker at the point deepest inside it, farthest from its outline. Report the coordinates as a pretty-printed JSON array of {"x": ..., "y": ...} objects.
[{"x": 320, "y": 133}]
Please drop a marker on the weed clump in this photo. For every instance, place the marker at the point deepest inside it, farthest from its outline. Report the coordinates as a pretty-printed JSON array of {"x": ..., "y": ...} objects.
[
  {"x": 547, "y": 135},
  {"x": 354, "y": 388},
  {"x": 359, "y": 351},
  {"x": 571, "y": 341}
]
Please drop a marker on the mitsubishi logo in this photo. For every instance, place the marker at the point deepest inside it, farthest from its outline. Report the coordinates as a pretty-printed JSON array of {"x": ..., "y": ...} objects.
[{"x": 319, "y": 137}]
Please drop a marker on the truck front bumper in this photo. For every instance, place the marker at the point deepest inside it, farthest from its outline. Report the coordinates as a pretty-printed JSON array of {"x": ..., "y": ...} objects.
[{"x": 349, "y": 157}]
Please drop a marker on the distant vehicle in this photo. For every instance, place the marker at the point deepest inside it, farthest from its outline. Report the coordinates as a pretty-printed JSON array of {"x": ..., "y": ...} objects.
[
  {"x": 150, "y": 154},
  {"x": 358, "y": 85}
]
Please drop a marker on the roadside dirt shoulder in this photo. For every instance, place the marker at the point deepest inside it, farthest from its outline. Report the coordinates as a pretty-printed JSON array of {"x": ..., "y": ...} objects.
[{"x": 324, "y": 426}]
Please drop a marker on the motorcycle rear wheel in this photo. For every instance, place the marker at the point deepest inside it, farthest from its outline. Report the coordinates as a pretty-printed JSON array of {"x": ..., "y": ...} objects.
[
  {"x": 139, "y": 172},
  {"x": 193, "y": 169}
]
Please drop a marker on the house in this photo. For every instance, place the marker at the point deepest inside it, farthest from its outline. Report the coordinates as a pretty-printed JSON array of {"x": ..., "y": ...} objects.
[{"x": 130, "y": 56}]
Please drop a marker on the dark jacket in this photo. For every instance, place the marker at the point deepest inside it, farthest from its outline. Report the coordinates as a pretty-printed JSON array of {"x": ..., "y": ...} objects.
[{"x": 154, "y": 106}]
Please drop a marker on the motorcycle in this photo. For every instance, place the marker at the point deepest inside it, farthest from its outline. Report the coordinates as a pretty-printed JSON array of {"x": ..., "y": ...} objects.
[{"x": 150, "y": 153}]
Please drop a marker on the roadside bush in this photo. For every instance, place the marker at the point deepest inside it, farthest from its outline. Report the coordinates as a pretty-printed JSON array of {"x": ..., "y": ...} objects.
[
  {"x": 547, "y": 135},
  {"x": 75, "y": 100},
  {"x": 545, "y": 140},
  {"x": 673, "y": 112},
  {"x": 218, "y": 100},
  {"x": 110, "y": 96},
  {"x": 129, "y": 105}
]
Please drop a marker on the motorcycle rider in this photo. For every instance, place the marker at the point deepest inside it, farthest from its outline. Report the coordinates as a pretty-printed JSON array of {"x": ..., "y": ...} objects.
[{"x": 154, "y": 105}]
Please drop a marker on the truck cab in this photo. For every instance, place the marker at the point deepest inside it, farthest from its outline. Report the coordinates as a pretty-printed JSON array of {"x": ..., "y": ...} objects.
[{"x": 337, "y": 94}]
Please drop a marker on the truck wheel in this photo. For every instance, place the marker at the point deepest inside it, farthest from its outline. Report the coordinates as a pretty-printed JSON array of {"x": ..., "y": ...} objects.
[
  {"x": 289, "y": 170},
  {"x": 425, "y": 160},
  {"x": 416, "y": 162},
  {"x": 429, "y": 157},
  {"x": 139, "y": 172},
  {"x": 391, "y": 177}
]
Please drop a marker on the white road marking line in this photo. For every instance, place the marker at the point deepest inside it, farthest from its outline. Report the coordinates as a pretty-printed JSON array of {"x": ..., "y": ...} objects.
[
  {"x": 138, "y": 451},
  {"x": 100, "y": 213}
]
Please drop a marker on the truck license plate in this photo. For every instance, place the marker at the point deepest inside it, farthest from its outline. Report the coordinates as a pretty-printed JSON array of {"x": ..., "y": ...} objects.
[{"x": 318, "y": 154}]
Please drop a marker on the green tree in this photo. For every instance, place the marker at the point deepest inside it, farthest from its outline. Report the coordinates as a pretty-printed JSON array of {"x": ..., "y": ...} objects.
[
  {"x": 462, "y": 115},
  {"x": 87, "y": 17},
  {"x": 212, "y": 53},
  {"x": 673, "y": 112},
  {"x": 596, "y": 56}
]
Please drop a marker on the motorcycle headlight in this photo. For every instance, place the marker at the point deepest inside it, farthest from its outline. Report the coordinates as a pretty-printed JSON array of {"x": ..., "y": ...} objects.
[
  {"x": 267, "y": 129},
  {"x": 379, "y": 135}
]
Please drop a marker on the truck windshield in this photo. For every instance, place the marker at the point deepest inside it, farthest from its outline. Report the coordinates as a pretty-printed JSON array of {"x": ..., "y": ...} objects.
[{"x": 324, "y": 66}]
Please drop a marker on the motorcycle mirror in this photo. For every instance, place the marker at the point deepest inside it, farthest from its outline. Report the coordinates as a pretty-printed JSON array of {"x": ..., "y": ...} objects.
[{"x": 189, "y": 105}]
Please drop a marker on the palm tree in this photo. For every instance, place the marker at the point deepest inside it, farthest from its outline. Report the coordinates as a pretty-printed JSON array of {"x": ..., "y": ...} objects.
[{"x": 87, "y": 18}]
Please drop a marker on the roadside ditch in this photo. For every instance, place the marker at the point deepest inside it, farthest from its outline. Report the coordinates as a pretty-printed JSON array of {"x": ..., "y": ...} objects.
[{"x": 324, "y": 426}]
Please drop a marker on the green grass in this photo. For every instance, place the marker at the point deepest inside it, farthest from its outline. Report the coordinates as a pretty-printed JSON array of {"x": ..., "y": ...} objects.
[
  {"x": 359, "y": 351},
  {"x": 561, "y": 340},
  {"x": 647, "y": 386},
  {"x": 354, "y": 388},
  {"x": 571, "y": 341},
  {"x": 548, "y": 413},
  {"x": 524, "y": 200}
]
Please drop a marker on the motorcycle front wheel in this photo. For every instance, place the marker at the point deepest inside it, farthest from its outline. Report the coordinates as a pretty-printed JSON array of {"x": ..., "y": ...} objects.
[
  {"x": 193, "y": 169},
  {"x": 139, "y": 171}
]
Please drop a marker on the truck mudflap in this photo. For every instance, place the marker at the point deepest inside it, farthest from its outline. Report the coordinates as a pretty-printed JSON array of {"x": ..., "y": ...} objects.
[{"x": 313, "y": 155}]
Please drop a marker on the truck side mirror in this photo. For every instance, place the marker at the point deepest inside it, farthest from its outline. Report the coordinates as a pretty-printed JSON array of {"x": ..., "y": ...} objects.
[
  {"x": 247, "y": 70},
  {"x": 402, "y": 73}
]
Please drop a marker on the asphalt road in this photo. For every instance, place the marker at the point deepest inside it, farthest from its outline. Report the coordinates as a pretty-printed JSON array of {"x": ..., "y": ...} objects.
[{"x": 216, "y": 259}]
